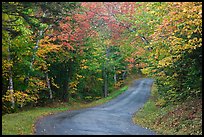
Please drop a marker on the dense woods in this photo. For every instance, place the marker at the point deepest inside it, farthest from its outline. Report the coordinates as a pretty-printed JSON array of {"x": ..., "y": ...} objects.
[{"x": 84, "y": 50}]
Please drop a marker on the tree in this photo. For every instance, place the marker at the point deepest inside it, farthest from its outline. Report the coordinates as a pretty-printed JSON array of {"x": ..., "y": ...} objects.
[{"x": 177, "y": 42}]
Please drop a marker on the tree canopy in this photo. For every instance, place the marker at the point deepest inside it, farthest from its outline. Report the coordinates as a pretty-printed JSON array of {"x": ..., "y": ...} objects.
[{"x": 84, "y": 50}]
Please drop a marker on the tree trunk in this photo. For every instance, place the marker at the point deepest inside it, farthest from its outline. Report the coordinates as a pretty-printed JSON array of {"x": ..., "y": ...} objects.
[
  {"x": 10, "y": 86},
  {"x": 105, "y": 75},
  {"x": 67, "y": 78},
  {"x": 115, "y": 75},
  {"x": 105, "y": 84},
  {"x": 124, "y": 75},
  {"x": 10, "y": 89},
  {"x": 33, "y": 57},
  {"x": 35, "y": 48},
  {"x": 48, "y": 85}
]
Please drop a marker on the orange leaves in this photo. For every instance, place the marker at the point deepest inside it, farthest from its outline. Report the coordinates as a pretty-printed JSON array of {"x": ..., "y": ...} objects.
[
  {"x": 140, "y": 51},
  {"x": 130, "y": 66},
  {"x": 130, "y": 60},
  {"x": 46, "y": 46},
  {"x": 68, "y": 18},
  {"x": 79, "y": 17}
]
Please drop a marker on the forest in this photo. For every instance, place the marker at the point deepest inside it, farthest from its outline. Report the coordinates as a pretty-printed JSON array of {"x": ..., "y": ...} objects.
[{"x": 83, "y": 51}]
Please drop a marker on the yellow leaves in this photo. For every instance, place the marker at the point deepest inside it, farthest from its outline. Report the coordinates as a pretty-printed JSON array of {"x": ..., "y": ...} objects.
[
  {"x": 119, "y": 84},
  {"x": 79, "y": 76},
  {"x": 41, "y": 84},
  {"x": 160, "y": 102},
  {"x": 54, "y": 84},
  {"x": 175, "y": 74},
  {"x": 107, "y": 42},
  {"x": 200, "y": 40},
  {"x": 200, "y": 12},
  {"x": 99, "y": 70},
  {"x": 145, "y": 71},
  {"x": 8, "y": 96},
  {"x": 83, "y": 61},
  {"x": 73, "y": 84},
  {"x": 46, "y": 46},
  {"x": 6, "y": 65},
  {"x": 165, "y": 62},
  {"x": 21, "y": 98},
  {"x": 161, "y": 74},
  {"x": 118, "y": 72},
  {"x": 152, "y": 12},
  {"x": 84, "y": 67},
  {"x": 195, "y": 43},
  {"x": 99, "y": 79},
  {"x": 185, "y": 10},
  {"x": 176, "y": 41},
  {"x": 73, "y": 87}
]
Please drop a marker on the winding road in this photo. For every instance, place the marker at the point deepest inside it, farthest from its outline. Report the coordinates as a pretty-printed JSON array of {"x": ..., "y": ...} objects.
[{"x": 111, "y": 118}]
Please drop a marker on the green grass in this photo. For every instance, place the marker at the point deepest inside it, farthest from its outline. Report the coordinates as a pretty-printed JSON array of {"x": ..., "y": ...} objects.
[
  {"x": 22, "y": 123},
  {"x": 185, "y": 118}
]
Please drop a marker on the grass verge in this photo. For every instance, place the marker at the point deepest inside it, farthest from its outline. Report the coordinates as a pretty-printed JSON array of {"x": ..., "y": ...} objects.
[
  {"x": 185, "y": 118},
  {"x": 22, "y": 123}
]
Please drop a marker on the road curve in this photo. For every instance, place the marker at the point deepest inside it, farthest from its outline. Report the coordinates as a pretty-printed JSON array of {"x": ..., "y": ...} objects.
[{"x": 111, "y": 118}]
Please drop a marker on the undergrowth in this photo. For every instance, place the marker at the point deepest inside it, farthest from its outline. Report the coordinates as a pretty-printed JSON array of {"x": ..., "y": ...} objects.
[{"x": 184, "y": 118}]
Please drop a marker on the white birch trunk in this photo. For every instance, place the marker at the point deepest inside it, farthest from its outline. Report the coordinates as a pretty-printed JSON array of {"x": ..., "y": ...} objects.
[{"x": 10, "y": 86}]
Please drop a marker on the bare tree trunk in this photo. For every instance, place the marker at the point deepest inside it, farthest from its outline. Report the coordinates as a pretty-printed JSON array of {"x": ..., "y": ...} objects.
[
  {"x": 124, "y": 75},
  {"x": 10, "y": 89},
  {"x": 115, "y": 75},
  {"x": 105, "y": 84},
  {"x": 48, "y": 85},
  {"x": 10, "y": 86}
]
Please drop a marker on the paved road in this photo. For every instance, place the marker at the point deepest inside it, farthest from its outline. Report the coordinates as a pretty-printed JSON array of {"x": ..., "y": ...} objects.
[{"x": 111, "y": 118}]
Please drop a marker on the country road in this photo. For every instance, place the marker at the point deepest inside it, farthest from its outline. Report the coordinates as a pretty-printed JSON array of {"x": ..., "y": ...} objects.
[{"x": 111, "y": 118}]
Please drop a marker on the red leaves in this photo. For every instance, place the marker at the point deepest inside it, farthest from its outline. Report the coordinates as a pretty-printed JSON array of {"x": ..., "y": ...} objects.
[
  {"x": 84, "y": 25},
  {"x": 72, "y": 38},
  {"x": 90, "y": 14},
  {"x": 68, "y": 45},
  {"x": 75, "y": 32}
]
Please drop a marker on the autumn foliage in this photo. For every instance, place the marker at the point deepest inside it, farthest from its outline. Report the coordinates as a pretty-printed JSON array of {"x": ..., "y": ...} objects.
[{"x": 82, "y": 51}]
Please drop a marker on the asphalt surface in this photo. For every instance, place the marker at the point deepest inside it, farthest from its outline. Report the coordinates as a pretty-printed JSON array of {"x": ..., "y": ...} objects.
[{"x": 111, "y": 118}]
